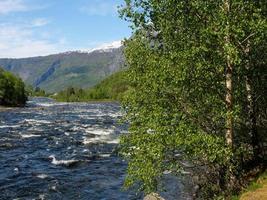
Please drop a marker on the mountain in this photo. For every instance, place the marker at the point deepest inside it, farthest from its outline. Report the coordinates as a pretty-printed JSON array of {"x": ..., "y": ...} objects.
[{"x": 70, "y": 69}]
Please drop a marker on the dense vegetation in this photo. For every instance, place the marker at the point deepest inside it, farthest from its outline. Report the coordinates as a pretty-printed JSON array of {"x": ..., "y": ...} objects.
[
  {"x": 36, "y": 92},
  {"x": 197, "y": 71},
  {"x": 12, "y": 90},
  {"x": 111, "y": 88}
]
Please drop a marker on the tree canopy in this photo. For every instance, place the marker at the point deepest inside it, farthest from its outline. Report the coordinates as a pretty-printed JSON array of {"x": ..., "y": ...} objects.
[
  {"x": 12, "y": 90},
  {"x": 198, "y": 76}
]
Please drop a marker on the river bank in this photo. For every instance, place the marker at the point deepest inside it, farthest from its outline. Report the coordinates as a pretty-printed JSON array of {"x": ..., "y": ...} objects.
[
  {"x": 256, "y": 190},
  {"x": 4, "y": 108}
]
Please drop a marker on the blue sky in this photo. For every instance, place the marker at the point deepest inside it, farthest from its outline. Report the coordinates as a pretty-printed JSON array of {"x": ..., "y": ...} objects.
[{"x": 41, "y": 27}]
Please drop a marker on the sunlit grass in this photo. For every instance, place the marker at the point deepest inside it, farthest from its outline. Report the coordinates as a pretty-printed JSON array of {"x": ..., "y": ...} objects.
[{"x": 258, "y": 187}]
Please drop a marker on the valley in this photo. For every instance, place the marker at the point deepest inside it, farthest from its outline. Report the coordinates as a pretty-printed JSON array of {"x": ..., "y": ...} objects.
[{"x": 57, "y": 72}]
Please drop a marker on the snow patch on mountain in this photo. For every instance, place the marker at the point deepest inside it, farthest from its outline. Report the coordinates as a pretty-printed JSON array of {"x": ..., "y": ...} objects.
[
  {"x": 108, "y": 46},
  {"x": 103, "y": 48}
]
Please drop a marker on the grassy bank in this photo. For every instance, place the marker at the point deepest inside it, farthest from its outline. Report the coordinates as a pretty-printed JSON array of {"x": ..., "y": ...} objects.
[
  {"x": 4, "y": 108},
  {"x": 256, "y": 190}
]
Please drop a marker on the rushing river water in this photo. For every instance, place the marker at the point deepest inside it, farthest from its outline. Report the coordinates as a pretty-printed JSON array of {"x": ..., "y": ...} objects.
[{"x": 57, "y": 151}]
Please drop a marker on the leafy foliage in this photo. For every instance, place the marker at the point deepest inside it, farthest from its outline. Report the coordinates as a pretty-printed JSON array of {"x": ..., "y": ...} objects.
[
  {"x": 12, "y": 90},
  {"x": 176, "y": 106},
  {"x": 35, "y": 92}
]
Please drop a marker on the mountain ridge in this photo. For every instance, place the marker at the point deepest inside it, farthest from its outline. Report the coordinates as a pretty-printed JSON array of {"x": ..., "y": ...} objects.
[{"x": 56, "y": 72}]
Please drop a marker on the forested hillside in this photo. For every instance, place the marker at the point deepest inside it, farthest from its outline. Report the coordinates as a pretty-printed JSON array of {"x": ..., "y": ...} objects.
[
  {"x": 112, "y": 88},
  {"x": 12, "y": 90}
]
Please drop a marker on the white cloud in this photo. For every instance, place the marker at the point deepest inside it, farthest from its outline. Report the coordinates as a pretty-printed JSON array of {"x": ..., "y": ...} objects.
[
  {"x": 30, "y": 48},
  {"x": 24, "y": 40},
  {"x": 100, "y": 8},
  {"x": 40, "y": 22},
  {"x": 7, "y": 6},
  {"x": 114, "y": 44},
  {"x": 18, "y": 41}
]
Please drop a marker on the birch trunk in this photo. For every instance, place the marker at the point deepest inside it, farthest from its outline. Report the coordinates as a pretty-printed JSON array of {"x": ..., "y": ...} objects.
[
  {"x": 229, "y": 83},
  {"x": 252, "y": 121},
  {"x": 229, "y": 93}
]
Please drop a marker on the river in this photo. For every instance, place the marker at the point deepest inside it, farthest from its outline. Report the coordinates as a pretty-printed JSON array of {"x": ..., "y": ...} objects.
[{"x": 51, "y": 150}]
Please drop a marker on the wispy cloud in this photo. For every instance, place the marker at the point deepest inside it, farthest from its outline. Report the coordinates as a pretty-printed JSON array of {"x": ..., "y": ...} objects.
[
  {"x": 25, "y": 40},
  {"x": 19, "y": 41},
  {"x": 7, "y": 6},
  {"x": 10, "y": 6},
  {"x": 100, "y": 8},
  {"x": 40, "y": 22}
]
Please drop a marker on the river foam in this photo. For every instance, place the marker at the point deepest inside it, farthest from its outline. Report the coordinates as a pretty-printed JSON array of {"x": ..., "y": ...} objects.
[{"x": 81, "y": 136}]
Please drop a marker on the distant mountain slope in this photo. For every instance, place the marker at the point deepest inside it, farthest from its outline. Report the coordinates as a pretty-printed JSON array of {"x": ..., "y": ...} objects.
[
  {"x": 114, "y": 87},
  {"x": 60, "y": 71}
]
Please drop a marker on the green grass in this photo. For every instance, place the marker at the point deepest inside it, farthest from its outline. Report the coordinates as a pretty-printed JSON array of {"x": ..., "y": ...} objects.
[{"x": 257, "y": 183}]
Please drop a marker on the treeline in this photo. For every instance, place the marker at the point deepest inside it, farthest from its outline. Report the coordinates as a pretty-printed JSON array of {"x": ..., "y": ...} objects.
[
  {"x": 36, "y": 92},
  {"x": 111, "y": 88},
  {"x": 12, "y": 90},
  {"x": 198, "y": 77}
]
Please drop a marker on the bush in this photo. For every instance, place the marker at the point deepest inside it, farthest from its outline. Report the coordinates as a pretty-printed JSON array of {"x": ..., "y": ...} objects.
[{"x": 12, "y": 90}]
